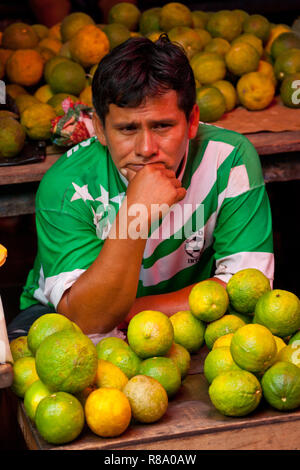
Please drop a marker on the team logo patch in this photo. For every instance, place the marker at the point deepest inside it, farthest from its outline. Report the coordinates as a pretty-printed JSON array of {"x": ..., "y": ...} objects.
[{"x": 194, "y": 246}]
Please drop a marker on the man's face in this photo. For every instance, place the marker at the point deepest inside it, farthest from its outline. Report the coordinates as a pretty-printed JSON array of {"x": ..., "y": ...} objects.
[{"x": 155, "y": 132}]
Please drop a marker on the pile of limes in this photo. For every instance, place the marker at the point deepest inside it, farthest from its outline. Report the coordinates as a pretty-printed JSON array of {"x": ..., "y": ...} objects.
[
  {"x": 67, "y": 381},
  {"x": 252, "y": 333}
]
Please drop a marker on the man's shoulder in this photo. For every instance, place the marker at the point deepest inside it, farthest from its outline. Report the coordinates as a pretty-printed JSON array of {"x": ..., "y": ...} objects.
[
  {"x": 209, "y": 132},
  {"x": 84, "y": 163}
]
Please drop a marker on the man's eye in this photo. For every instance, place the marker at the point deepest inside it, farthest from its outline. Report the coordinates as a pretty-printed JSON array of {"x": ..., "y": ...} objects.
[{"x": 162, "y": 126}]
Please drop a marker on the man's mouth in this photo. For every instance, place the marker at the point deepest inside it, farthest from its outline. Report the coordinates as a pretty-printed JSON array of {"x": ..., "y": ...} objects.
[{"x": 135, "y": 167}]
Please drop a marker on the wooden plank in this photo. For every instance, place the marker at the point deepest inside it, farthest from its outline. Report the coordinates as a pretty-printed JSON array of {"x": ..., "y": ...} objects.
[
  {"x": 269, "y": 143},
  {"x": 191, "y": 422},
  {"x": 26, "y": 173},
  {"x": 266, "y": 143}
]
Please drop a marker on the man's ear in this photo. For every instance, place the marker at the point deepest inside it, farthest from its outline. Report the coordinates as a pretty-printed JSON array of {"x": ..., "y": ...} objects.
[
  {"x": 99, "y": 129},
  {"x": 194, "y": 122}
]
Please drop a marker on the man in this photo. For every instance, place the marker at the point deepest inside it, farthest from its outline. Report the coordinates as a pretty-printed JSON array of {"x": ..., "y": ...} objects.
[{"x": 132, "y": 219}]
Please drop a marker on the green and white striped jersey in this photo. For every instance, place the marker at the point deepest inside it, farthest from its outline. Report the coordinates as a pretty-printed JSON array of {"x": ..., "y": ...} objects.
[{"x": 222, "y": 225}]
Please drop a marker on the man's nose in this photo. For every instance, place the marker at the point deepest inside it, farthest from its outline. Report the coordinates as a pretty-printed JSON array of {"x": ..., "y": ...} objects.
[{"x": 146, "y": 144}]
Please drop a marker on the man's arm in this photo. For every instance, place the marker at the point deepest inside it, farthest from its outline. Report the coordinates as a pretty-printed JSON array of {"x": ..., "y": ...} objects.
[
  {"x": 102, "y": 296},
  {"x": 166, "y": 303}
]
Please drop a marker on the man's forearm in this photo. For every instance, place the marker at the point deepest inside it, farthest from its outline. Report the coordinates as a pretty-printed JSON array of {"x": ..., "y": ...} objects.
[
  {"x": 166, "y": 303},
  {"x": 103, "y": 295}
]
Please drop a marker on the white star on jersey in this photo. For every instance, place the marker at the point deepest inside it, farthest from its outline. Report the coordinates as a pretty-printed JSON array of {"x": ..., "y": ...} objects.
[{"x": 81, "y": 193}]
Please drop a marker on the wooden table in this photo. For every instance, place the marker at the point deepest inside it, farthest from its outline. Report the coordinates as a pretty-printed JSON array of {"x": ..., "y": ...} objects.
[
  {"x": 279, "y": 153},
  {"x": 190, "y": 423}
]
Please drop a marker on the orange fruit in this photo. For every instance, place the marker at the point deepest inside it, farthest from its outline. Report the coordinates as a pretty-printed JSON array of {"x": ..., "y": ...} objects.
[
  {"x": 55, "y": 31},
  {"x": 109, "y": 375},
  {"x": 150, "y": 333},
  {"x": 223, "y": 341},
  {"x": 25, "y": 67},
  {"x": 33, "y": 395},
  {"x": 41, "y": 30},
  {"x": 290, "y": 353},
  {"x": 86, "y": 96},
  {"x": 45, "y": 326},
  {"x": 275, "y": 31},
  {"x": 3, "y": 254},
  {"x": 253, "y": 348},
  {"x": 229, "y": 93},
  {"x": 187, "y": 38},
  {"x": 165, "y": 371},
  {"x": 208, "y": 67},
  {"x": 19, "y": 348},
  {"x": 147, "y": 397},
  {"x": 4, "y": 55},
  {"x": 89, "y": 46},
  {"x": 258, "y": 25},
  {"x": 24, "y": 375},
  {"x": 59, "y": 418},
  {"x": 107, "y": 412},
  {"x": 208, "y": 300},
  {"x": 67, "y": 361},
  {"x": 19, "y": 36},
  {"x": 51, "y": 43},
  {"x": 44, "y": 93}
]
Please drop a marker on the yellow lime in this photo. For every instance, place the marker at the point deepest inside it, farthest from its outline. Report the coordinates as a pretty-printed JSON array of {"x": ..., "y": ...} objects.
[
  {"x": 242, "y": 58},
  {"x": 45, "y": 326},
  {"x": 253, "y": 348},
  {"x": 72, "y": 23},
  {"x": 244, "y": 289},
  {"x": 106, "y": 345},
  {"x": 150, "y": 333},
  {"x": 24, "y": 375},
  {"x": 235, "y": 393},
  {"x": 175, "y": 14},
  {"x": 181, "y": 357},
  {"x": 147, "y": 397},
  {"x": 218, "y": 45},
  {"x": 222, "y": 326},
  {"x": 229, "y": 93},
  {"x": 37, "y": 121},
  {"x": 279, "y": 310},
  {"x": 217, "y": 362},
  {"x": 126, "y": 360},
  {"x": 252, "y": 40},
  {"x": 33, "y": 395},
  {"x": 19, "y": 348},
  {"x": 290, "y": 353},
  {"x": 257, "y": 25},
  {"x": 125, "y": 13},
  {"x": 208, "y": 67},
  {"x": 188, "y": 330},
  {"x": 223, "y": 341},
  {"x": 225, "y": 24},
  {"x": 208, "y": 300},
  {"x": 255, "y": 91}
]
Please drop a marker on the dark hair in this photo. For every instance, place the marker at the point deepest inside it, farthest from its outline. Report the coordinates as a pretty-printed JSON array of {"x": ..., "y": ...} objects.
[{"x": 140, "y": 68}]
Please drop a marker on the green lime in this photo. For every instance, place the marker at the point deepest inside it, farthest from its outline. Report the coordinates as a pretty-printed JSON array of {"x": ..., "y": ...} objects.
[
  {"x": 165, "y": 371},
  {"x": 235, "y": 393},
  {"x": 222, "y": 326},
  {"x": 181, "y": 357},
  {"x": 33, "y": 395},
  {"x": 218, "y": 361},
  {"x": 208, "y": 300},
  {"x": 188, "y": 330},
  {"x": 126, "y": 360},
  {"x": 59, "y": 418},
  {"x": 281, "y": 386}
]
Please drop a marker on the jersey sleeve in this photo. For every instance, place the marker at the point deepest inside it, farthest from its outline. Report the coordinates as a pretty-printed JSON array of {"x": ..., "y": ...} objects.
[
  {"x": 243, "y": 235},
  {"x": 67, "y": 246}
]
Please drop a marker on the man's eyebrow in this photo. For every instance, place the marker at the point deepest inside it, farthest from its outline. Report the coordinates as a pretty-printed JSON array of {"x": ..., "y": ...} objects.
[{"x": 121, "y": 124}]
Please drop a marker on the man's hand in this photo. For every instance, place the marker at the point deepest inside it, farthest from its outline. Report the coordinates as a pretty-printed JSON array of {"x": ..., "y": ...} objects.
[{"x": 155, "y": 187}]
